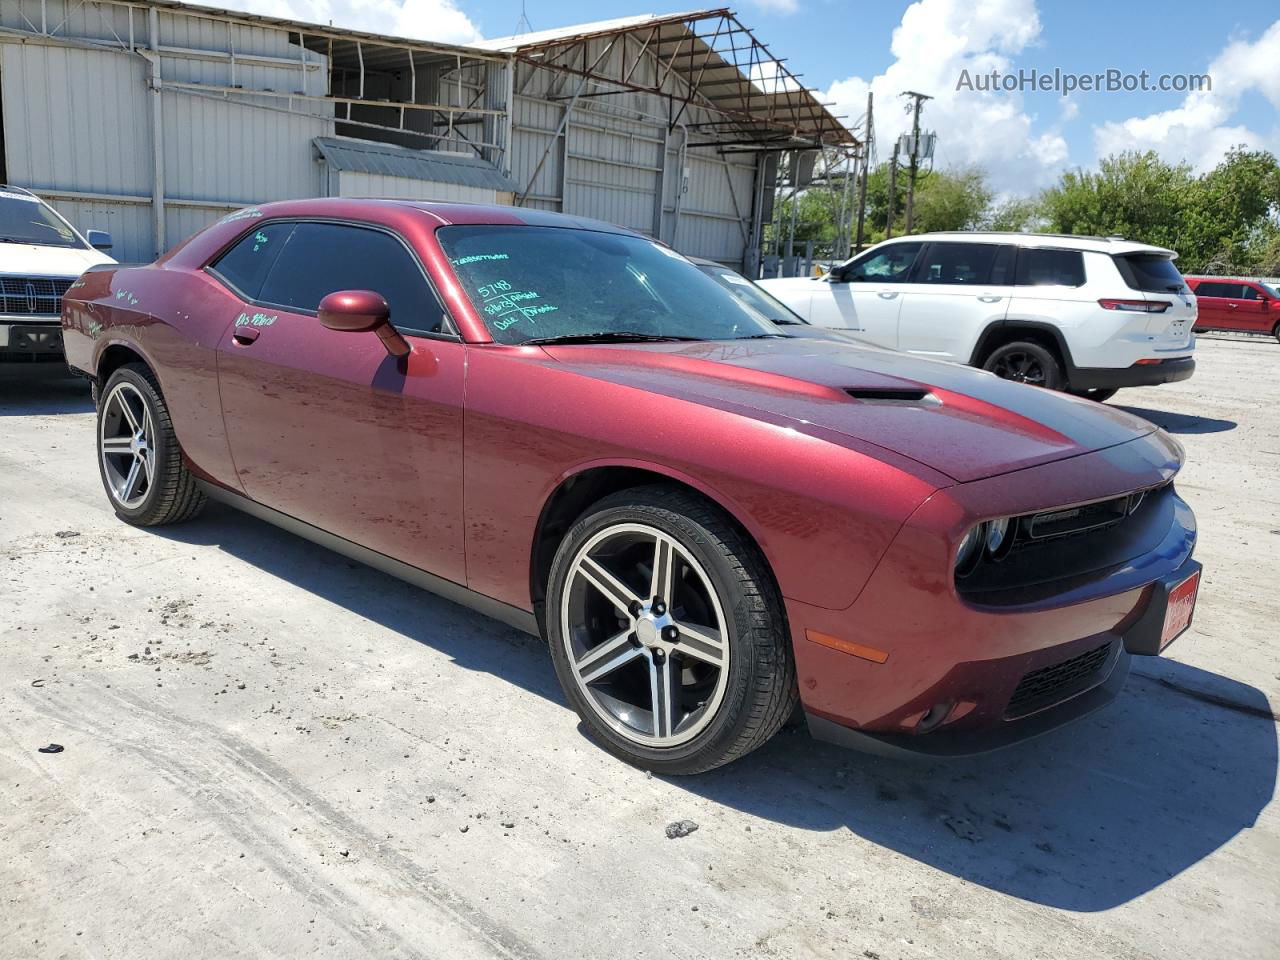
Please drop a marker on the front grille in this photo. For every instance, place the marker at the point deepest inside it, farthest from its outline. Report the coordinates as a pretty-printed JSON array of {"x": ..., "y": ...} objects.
[
  {"x": 32, "y": 296},
  {"x": 1050, "y": 685}
]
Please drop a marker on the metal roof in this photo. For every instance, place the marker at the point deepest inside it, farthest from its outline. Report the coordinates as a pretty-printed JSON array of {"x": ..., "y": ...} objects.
[
  {"x": 438, "y": 166},
  {"x": 319, "y": 30},
  {"x": 718, "y": 60}
]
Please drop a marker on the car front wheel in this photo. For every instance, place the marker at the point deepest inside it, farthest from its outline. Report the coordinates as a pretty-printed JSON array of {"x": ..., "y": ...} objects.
[
  {"x": 668, "y": 632},
  {"x": 138, "y": 453}
]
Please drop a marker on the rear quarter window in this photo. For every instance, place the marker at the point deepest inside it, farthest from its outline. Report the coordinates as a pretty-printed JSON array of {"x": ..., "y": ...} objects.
[{"x": 1151, "y": 273}]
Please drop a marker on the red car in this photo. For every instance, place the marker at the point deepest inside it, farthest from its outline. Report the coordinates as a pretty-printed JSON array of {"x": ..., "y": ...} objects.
[
  {"x": 572, "y": 428},
  {"x": 1225, "y": 303}
]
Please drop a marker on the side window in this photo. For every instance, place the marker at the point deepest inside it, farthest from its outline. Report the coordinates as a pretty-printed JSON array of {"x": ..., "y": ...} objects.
[
  {"x": 247, "y": 264},
  {"x": 1039, "y": 267},
  {"x": 966, "y": 264},
  {"x": 1249, "y": 293},
  {"x": 1210, "y": 290},
  {"x": 890, "y": 265},
  {"x": 320, "y": 258}
]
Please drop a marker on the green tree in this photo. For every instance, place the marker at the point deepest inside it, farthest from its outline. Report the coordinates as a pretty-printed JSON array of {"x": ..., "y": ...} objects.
[
  {"x": 945, "y": 200},
  {"x": 1134, "y": 195},
  {"x": 1210, "y": 219}
]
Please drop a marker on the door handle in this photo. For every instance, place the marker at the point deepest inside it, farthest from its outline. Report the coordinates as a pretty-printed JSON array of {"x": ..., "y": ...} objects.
[
  {"x": 1232, "y": 306},
  {"x": 989, "y": 299},
  {"x": 887, "y": 295},
  {"x": 246, "y": 335}
]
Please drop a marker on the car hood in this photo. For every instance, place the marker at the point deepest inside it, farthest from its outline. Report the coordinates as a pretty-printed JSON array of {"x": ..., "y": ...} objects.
[
  {"x": 962, "y": 422},
  {"x": 37, "y": 260}
]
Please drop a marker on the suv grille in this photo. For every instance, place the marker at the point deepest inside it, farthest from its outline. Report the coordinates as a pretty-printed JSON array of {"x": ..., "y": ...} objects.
[
  {"x": 32, "y": 296},
  {"x": 1050, "y": 685}
]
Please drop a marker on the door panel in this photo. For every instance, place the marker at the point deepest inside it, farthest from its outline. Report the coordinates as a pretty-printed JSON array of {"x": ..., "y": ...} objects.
[
  {"x": 326, "y": 427},
  {"x": 956, "y": 291},
  {"x": 868, "y": 309}
]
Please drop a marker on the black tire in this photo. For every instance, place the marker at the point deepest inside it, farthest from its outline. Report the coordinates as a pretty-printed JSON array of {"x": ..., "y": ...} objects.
[
  {"x": 172, "y": 495},
  {"x": 1026, "y": 362},
  {"x": 1275, "y": 332},
  {"x": 760, "y": 693},
  {"x": 1098, "y": 394}
]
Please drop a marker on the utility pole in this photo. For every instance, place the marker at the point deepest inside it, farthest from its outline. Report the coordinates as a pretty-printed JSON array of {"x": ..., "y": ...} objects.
[
  {"x": 918, "y": 99},
  {"x": 893, "y": 190},
  {"x": 868, "y": 134}
]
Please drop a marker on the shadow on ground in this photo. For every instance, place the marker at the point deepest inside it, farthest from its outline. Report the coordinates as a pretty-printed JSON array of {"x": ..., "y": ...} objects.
[
  {"x": 41, "y": 389},
  {"x": 1182, "y": 422},
  {"x": 1083, "y": 819}
]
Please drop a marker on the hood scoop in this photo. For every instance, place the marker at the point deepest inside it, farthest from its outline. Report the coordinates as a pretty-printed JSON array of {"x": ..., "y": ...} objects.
[{"x": 897, "y": 396}]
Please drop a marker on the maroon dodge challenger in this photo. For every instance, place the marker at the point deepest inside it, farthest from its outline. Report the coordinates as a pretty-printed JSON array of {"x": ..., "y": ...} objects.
[{"x": 573, "y": 429}]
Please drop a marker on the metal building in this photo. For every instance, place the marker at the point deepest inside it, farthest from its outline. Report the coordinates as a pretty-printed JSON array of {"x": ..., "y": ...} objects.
[{"x": 151, "y": 118}]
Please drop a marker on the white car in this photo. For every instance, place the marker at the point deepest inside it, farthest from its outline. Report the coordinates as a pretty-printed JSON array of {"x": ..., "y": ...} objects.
[
  {"x": 1083, "y": 314},
  {"x": 41, "y": 255}
]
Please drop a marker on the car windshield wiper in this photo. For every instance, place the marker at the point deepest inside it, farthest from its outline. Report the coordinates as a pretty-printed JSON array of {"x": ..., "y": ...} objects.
[
  {"x": 766, "y": 336},
  {"x": 611, "y": 336}
]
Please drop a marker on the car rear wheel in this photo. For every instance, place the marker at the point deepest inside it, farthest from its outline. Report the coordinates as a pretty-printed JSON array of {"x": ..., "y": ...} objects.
[
  {"x": 1098, "y": 394},
  {"x": 1026, "y": 362},
  {"x": 138, "y": 454},
  {"x": 1275, "y": 331},
  {"x": 668, "y": 633}
]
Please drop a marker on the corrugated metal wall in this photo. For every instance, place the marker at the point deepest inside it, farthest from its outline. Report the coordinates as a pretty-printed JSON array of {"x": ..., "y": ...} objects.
[
  {"x": 77, "y": 120},
  {"x": 77, "y": 123},
  {"x": 352, "y": 184}
]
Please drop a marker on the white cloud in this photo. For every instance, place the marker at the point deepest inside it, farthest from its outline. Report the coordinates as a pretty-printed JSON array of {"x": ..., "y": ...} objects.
[
  {"x": 935, "y": 41},
  {"x": 777, "y": 6},
  {"x": 1198, "y": 130},
  {"x": 438, "y": 20}
]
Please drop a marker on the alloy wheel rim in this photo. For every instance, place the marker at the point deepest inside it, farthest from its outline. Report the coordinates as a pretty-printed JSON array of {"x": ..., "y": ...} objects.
[
  {"x": 645, "y": 635},
  {"x": 125, "y": 435},
  {"x": 1020, "y": 367}
]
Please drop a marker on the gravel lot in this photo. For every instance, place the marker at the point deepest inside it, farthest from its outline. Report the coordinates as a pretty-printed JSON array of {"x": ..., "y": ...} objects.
[{"x": 271, "y": 751}]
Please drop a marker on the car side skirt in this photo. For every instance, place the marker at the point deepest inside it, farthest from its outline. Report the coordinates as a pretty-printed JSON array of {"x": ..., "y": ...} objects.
[{"x": 454, "y": 592}]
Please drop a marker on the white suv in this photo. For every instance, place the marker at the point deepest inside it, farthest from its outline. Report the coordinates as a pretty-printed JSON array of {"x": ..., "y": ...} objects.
[
  {"x": 41, "y": 255},
  {"x": 1084, "y": 314}
]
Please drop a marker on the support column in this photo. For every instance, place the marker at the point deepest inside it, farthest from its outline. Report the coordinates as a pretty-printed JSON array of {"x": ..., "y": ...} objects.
[{"x": 157, "y": 131}]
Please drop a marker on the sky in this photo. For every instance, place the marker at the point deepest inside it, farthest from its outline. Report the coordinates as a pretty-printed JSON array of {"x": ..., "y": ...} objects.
[{"x": 1023, "y": 140}]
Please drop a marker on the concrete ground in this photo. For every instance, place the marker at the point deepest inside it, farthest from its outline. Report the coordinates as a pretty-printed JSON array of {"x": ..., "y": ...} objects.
[{"x": 273, "y": 752}]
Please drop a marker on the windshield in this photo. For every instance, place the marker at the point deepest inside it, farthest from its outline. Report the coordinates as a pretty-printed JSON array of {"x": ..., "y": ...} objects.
[
  {"x": 538, "y": 283},
  {"x": 24, "y": 219},
  {"x": 747, "y": 292},
  {"x": 1271, "y": 289}
]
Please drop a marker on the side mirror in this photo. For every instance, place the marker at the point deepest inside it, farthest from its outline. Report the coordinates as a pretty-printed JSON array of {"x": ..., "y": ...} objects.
[
  {"x": 362, "y": 311},
  {"x": 99, "y": 239}
]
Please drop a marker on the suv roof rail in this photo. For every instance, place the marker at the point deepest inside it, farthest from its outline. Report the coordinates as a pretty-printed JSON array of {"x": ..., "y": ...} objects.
[{"x": 1028, "y": 233}]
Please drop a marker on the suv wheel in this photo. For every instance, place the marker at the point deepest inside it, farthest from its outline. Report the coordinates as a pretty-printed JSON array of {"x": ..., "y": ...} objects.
[
  {"x": 668, "y": 633},
  {"x": 1026, "y": 362},
  {"x": 138, "y": 454}
]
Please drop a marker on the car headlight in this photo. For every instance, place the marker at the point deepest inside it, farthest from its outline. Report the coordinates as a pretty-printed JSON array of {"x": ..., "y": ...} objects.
[
  {"x": 997, "y": 532},
  {"x": 970, "y": 550}
]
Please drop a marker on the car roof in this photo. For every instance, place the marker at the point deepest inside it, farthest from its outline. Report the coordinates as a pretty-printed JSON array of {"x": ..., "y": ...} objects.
[
  {"x": 1059, "y": 241},
  {"x": 442, "y": 212}
]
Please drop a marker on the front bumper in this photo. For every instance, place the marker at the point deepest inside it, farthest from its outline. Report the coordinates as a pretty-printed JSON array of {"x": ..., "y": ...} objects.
[
  {"x": 1076, "y": 698},
  {"x": 1138, "y": 375},
  {"x": 914, "y": 665},
  {"x": 30, "y": 339}
]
